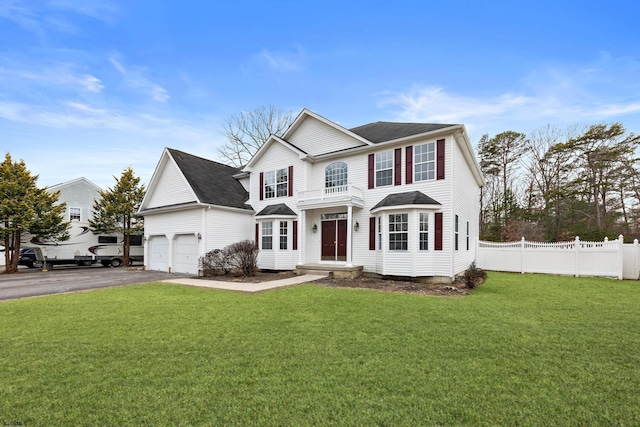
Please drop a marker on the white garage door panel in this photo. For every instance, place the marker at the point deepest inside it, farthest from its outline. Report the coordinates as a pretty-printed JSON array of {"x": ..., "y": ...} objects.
[
  {"x": 185, "y": 256},
  {"x": 158, "y": 253}
]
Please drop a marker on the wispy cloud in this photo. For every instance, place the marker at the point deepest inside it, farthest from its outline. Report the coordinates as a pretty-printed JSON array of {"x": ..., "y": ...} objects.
[
  {"x": 548, "y": 95},
  {"x": 102, "y": 10},
  {"x": 59, "y": 75},
  {"x": 135, "y": 77},
  {"x": 41, "y": 17},
  {"x": 285, "y": 61}
]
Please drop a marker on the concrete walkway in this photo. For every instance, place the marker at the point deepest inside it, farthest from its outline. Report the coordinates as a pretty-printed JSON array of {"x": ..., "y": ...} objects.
[{"x": 247, "y": 287}]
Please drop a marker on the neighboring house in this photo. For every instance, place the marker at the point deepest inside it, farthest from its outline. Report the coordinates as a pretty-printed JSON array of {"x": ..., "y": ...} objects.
[
  {"x": 395, "y": 199},
  {"x": 79, "y": 195},
  {"x": 192, "y": 205}
]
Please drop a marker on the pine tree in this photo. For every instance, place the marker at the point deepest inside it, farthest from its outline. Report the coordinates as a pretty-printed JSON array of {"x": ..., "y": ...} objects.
[
  {"x": 117, "y": 208},
  {"x": 25, "y": 208}
]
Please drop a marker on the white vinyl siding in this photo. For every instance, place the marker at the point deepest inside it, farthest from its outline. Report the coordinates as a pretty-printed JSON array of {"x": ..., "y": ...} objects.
[
  {"x": 314, "y": 137},
  {"x": 171, "y": 188}
]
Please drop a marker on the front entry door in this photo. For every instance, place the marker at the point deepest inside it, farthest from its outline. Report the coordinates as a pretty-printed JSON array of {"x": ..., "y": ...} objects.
[{"x": 334, "y": 240}]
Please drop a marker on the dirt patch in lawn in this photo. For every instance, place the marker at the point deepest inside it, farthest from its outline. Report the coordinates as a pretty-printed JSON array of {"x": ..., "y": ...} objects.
[{"x": 375, "y": 283}]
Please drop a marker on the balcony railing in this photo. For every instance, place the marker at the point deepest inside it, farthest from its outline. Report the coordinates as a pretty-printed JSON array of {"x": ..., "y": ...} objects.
[{"x": 349, "y": 193}]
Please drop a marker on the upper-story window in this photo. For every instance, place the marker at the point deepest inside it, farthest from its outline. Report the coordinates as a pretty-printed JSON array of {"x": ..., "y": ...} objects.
[
  {"x": 335, "y": 174},
  {"x": 74, "y": 214},
  {"x": 384, "y": 169},
  {"x": 276, "y": 183},
  {"x": 424, "y": 162}
]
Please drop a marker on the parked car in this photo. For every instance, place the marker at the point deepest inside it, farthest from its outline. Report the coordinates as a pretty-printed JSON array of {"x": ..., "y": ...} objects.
[{"x": 27, "y": 257}]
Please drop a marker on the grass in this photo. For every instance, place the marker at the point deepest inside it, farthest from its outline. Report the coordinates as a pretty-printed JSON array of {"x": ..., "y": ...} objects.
[{"x": 521, "y": 350}]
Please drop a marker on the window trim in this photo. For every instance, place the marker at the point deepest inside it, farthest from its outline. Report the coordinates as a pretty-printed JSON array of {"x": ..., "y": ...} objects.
[
  {"x": 423, "y": 234},
  {"x": 273, "y": 186},
  {"x": 283, "y": 232},
  {"x": 456, "y": 233},
  {"x": 79, "y": 212},
  {"x": 400, "y": 237},
  {"x": 430, "y": 171},
  {"x": 266, "y": 232},
  {"x": 378, "y": 168},
  {"x": 335, "y": 172}
]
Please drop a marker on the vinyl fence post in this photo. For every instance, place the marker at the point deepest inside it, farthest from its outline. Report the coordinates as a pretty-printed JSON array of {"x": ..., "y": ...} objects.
[
  {"x": 620, "y": 256},
  {"x": 522, "y": 256},
  {"x": 576, "y": 244},
  {"x": 636, "y": 270}
]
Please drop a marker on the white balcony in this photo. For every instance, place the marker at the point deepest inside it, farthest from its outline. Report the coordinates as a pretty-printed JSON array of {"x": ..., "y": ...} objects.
[{"x": 342, "y": 195}]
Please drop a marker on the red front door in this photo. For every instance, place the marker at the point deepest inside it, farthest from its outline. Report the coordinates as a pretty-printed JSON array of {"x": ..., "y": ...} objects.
[{"x": 334, "y": 240}]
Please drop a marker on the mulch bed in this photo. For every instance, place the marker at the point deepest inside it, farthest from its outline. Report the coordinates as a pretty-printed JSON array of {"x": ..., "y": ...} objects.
[{"x": 379, "y": 284}]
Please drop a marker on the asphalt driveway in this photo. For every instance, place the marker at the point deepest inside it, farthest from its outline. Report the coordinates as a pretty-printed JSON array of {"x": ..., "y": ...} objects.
[{"x": 34, "y": 282}]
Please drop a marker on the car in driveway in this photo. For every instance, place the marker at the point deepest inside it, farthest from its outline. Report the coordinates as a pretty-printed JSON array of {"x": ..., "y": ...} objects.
[{"x": 27, "y": 256}]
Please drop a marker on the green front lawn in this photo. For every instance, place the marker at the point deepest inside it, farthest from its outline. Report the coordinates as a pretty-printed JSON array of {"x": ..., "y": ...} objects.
[{"x": 521, "y": 350}]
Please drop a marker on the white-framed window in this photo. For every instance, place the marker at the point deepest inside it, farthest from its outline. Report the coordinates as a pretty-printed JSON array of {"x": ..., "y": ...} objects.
[
  {"x": 283, "y": 235},
  {"x": 276, "y": 183},
  {"x": 267, "y": 235},
  {"x": 335, "y": 174},
  {"x": 398, "y": 232},
  {"x": 424, "y": 162},
  {"x": 424, "y": 231},
  {"x": 75, "y": 214},
  {"x": 384, "y": 169},
  {"x": 456, "y": 233},
  {"x": 380, "y": 232},
  {"x": 467, "y": 235}
]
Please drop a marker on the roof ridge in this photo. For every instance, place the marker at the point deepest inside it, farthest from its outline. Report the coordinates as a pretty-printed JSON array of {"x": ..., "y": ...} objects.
[{"x": 174, "y": 150}]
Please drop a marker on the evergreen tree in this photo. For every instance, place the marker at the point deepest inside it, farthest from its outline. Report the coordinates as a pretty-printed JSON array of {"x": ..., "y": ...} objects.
[
  {"x": 117, "y": 208},
  {"x": 25, "y": 208}
]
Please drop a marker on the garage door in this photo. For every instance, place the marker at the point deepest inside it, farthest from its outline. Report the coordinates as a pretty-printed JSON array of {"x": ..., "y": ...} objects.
[
  {"x": 158, "y": 253},
  {"x": 185, "y": 254}
]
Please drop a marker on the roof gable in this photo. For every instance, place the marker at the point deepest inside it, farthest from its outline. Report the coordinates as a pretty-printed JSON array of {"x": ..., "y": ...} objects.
[
  {"x": 316, "y": 135},
  {"x": 212, "y": 182},
  {"x": 181, "y": 179}
]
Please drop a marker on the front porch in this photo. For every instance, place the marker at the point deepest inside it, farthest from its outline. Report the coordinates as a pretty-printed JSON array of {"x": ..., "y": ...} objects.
[{"x": 331, "y": 270}]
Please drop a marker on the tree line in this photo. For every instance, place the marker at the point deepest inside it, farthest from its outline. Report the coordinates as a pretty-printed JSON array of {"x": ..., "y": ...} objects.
[{"x": 558, "y": 183}]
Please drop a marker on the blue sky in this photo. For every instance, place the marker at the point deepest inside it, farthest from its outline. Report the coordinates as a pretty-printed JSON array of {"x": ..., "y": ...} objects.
[{"x": 88, "y": 87}]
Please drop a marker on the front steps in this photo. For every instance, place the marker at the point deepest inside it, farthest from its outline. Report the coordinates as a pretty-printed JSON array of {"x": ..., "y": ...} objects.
[{"x": 331, "y": 270}]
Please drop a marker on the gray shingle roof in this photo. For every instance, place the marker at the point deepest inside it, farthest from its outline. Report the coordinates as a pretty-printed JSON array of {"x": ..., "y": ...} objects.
[
  {"x": 212, "y": 182},
  {"x": 388, "y": 131},
  {"x": 279, "y": 209},
  {"x": 410, "y": 198}
]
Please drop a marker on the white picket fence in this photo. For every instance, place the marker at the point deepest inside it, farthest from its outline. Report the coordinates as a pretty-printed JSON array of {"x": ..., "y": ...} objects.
[{"x": 611, "y": 258}]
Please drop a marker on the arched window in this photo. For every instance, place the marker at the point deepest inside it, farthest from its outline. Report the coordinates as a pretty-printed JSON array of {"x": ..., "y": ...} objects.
[{"x": 335, "y": 174}]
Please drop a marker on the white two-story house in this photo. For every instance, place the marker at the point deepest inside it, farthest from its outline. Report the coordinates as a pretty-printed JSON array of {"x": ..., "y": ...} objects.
[{"x": 394, "y": 199}]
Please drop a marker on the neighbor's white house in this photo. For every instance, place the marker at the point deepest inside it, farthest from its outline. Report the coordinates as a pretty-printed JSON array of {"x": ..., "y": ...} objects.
[{"x": 398, "y": 199}]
